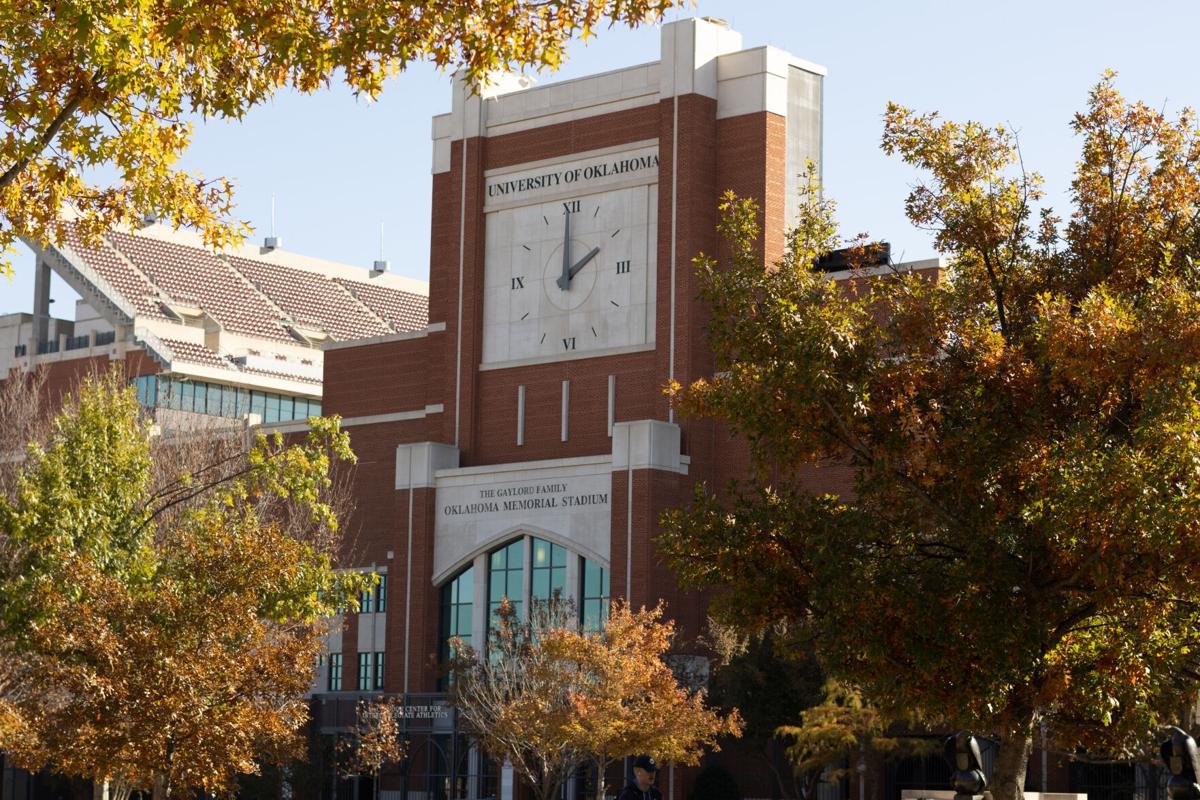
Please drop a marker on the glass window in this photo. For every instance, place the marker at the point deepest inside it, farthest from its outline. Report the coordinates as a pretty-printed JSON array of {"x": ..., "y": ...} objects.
[
  {"x": 215, "y": 399},
  {"x": 258, "y": 405},
  {"x": 378, "y": 670},
  {"x": 272, "y": 414},
  {"x": 243, "y": 403},
  {"x": 380, "y": 592},
  {"x": 548, "y": 572},
  {"x": 314, "y": 408},
  {"x": 335, "y": 672},
  {"x": 456, "y": 597},
  {"x": 365, "y": 681},
  {"x": 187, "y": 393},
  {"x": 505, "y": 578},
  {"x": 364, "y": 601},
  {"x": 287, "y": 408},
  {"x": 169, "y": 393},
  {"x": 593, "y": 610}
]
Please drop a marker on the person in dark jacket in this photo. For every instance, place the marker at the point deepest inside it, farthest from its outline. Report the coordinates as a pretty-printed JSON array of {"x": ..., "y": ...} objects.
[{"x": 641, "y": 786}]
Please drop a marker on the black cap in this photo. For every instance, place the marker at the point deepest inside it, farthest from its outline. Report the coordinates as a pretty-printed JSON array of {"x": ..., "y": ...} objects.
[{"x": 645, "y": 762}]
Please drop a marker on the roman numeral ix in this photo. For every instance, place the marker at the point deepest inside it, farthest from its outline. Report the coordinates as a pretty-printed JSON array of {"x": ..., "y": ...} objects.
[{"x": 518, "y": 283}]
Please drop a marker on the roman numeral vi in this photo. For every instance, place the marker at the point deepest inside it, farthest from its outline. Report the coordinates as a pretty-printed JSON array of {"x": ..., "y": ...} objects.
[{"x": 569, "y": 344}]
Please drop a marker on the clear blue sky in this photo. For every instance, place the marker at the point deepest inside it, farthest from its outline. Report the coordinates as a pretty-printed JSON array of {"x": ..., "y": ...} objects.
[{"x": 338, "y": 166}]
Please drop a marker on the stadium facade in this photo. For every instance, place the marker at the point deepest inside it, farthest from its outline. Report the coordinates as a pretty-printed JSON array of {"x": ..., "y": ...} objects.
[{"x": 512, "y": 432}]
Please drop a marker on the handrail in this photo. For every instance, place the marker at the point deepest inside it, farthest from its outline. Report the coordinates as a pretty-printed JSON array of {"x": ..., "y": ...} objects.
[
  {"x": 156, "y": 347},
  {"x": 100, "y": 285}
]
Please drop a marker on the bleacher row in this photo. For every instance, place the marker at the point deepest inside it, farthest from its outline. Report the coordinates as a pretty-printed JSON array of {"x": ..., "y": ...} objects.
[{"x": 245, "y": 295}]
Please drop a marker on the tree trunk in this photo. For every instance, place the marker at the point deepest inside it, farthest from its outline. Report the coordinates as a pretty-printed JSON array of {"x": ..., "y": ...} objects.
[
  {"x": 600, "y": 767},
  {"x": 1008, "y": 779}
]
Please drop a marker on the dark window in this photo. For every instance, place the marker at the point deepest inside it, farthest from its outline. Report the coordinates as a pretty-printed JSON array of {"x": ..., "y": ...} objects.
[
  {"x": 380, "y": 592},
  {"x": 378, "y": 668},
  {"x": 364, "y": 672},
  {"x": 335, "y": 672}
]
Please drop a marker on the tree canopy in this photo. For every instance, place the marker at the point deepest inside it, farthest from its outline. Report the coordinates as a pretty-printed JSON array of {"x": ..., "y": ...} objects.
[
  {"x": 161, "y": 634},
  {"x": 86, "y": 84},
  {"x": 552, "y": 698},
  {"x": 1023, "y": 428}
]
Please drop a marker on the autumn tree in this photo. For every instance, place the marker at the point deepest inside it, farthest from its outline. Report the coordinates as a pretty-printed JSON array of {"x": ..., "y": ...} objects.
[
  {"x": 1020, "y": 539},
  {"x": 629, "y": 700},
  {"x": 550, "y": 698},
  {"x": 86, "y": 84},
  {"x": 376, "y": 740},
  {"x": 161, "y": 650}
]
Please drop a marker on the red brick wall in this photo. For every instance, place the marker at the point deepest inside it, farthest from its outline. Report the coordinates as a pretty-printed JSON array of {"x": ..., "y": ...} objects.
[{"x": 384, "y": 378}]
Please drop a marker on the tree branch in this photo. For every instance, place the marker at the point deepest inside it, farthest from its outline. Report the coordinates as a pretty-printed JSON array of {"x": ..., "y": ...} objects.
[{"x": 64, "y": 114}]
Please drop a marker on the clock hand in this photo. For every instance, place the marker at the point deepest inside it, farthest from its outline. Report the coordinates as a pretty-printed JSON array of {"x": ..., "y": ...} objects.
[
  {"x": 583, "y": 262},
  {"x": 564, "y": 280}
]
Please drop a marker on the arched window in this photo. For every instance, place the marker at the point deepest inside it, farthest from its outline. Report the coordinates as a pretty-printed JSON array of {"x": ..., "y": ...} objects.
[{"x": 552, "y": 568}]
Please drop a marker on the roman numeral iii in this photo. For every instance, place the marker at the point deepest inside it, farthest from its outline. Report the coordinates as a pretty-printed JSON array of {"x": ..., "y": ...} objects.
[
  {"x": 569, "y": 344},
  {"x": 622, "y": 267},
  {"x": 518, "y": 283}
]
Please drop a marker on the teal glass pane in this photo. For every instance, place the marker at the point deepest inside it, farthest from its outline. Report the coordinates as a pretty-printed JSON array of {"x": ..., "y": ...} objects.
[
  {"x": 258, "y": 404},
  {"x": 314, "y": 409},
  {"x": 558, "y": 580},
  {"x": 541, "y": 584},
  {"x": 496, "y": 588},
  {"x": 464, "y": 619},
  {"x": 216, "y": 399},
  {"x": 287, "y": 409},
  {"x": 187, "y": 391},
  {"x": 591, "y": 579},
  {"x": 541, "y": 553},
  {"x": 272, "y": 414},
  {"x": 515, "y": 551},
  {"x": 498, "y": 559},
  {"x": 464, "y": 586},
  {"x": 514, "y": 584},
  {"x": 559, "y": 556}
]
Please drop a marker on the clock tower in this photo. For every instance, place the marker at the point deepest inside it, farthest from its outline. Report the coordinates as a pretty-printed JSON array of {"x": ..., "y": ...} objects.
[{"x": 521, "y": 445}]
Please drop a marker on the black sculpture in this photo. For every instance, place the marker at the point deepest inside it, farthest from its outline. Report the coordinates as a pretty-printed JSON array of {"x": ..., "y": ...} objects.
[
  {"x": 1182, "y": 759},
  {"x": 962, "y": 751}
]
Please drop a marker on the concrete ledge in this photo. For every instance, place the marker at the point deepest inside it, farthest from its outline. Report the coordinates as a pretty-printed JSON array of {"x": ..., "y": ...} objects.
[
  {"x": 647, "y": 444},
  {"x": 417, "y": 463}
]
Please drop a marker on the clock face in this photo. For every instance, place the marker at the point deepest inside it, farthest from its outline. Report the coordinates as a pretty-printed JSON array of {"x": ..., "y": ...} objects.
[{"x": 570, "y": 277}]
